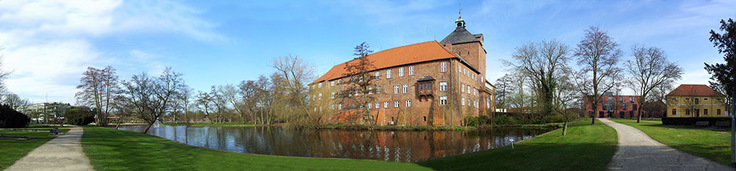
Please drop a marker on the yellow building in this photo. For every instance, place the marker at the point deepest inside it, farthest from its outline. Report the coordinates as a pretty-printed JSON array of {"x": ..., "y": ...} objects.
[{"x": 695, "y": 100}]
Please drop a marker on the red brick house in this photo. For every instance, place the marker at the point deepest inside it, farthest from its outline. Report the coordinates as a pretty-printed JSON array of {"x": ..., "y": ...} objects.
[
  {"x": 614, "y": 106},
  {"x": 427, "y": 83}
]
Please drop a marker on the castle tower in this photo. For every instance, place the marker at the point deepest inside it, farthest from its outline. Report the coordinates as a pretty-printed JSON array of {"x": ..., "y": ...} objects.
[{"x": 467, "y": 45}]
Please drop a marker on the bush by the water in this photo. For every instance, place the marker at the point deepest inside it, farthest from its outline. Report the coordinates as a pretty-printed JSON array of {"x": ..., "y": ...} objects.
[
  {"x": 79, "y": 115},
  {"x": 10, "y": 118},
  {"x": 503, "y": 118}
]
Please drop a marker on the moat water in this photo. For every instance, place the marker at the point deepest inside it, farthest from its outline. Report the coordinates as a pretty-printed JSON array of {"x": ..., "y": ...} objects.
[{"x": 403, "y": 146}]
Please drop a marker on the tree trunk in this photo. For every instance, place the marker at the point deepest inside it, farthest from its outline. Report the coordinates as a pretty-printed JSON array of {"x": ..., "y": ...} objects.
[
  {"x": 148, "y": 126},
  {"x": 564, "y": 128}
]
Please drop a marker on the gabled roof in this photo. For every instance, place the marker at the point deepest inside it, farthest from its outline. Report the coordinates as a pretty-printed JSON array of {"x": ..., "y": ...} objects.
[
  {"x": 403, "y": 55},
  {"x": 460, "y": 35},
  {"x": 426, "y": 78},
  {"x": 694, "y": 90}
]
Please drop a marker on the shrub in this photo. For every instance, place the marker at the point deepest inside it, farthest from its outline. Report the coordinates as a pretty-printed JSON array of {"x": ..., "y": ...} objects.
[
  {"x": 79, "y": 115},
  {"x": 9, "y": 118}
]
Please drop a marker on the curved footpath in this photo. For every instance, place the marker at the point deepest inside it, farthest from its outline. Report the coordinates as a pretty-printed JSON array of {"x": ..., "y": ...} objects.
[
  {"x": 638, "y": 151},
  {"x": 61, "y": 153}
]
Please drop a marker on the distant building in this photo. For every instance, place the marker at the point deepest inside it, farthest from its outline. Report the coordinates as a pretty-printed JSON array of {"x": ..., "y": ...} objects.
[
  {"x": 695, "y": 100},
  {"x": 43, "y": 112},
  {"x": 614, "y": 106},
  {"x": 428, "y": 83}
]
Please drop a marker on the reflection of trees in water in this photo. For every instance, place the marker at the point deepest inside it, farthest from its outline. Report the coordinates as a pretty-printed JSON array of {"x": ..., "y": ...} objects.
[{"x": 405, "y": 146}]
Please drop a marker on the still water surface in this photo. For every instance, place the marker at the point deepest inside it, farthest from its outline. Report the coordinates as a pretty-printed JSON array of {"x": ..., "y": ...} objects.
[{"x": 404, "y": 146}]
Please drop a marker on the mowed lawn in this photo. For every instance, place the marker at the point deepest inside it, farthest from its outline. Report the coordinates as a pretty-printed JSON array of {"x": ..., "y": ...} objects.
[
  {"x": 709, "y": 143},
  {"x": 586, "y": 147},
  {"x": 110, "y": 149},
  {"x": 12, "y": 149}
]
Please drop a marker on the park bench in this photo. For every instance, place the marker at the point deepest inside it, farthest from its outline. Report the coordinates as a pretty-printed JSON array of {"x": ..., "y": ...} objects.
[
  {"x": 702, "y": 123},
  {"x": 723, "y": 123}
]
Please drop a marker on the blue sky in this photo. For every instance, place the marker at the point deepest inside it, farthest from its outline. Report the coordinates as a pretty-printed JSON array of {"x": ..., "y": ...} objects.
[{"x": 48, "y": 44}]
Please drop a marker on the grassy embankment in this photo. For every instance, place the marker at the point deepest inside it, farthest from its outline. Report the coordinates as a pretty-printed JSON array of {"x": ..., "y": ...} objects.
[
  {"x": 15, "y": 144},
  {"x": 712, "y": 144},
  {"x": 586, "y": 147}
]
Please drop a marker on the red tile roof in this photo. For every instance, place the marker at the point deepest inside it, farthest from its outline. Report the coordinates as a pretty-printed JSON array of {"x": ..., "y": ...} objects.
[
  {"x": 694, "y": 90},
  {"x": 414, "y": 53}
]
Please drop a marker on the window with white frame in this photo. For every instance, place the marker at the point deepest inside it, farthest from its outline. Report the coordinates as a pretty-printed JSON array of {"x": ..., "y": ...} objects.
[
  {"x": 333, "y": 95},
  {"x": 385, "y": 104},
  {"x": 488, "y": 102},
  {"x": 378, "y": 75},
  {"x": 468, "y": 89},
  {"x": 370, "y": 90},
  {"x": 319, "y": 85},
  {"x": 411, "y": 70},
  {"x": 396, "y": 103},
  {"x": 388, "y": 73},
  {"x": 405, "y": 88},
  {"x": 370, "y": 106},
  {"x": 443, "y": 100},
  {"x": 401, "y": 72},
  {"x": 463, "y": 101},
  {"x": 339, "y": 106},
  {"x": 378, "y": 105},
  {"x": 459, "y": 69},
  {"x": 378, "y": 89},
  {"x": 443, "y": 85},
  {"x": 320, "y": 96},
  {"x": 462, "y": 87},
  {"x": 443, "y": 67},
  {"x": 332, "y": 83},
  {"x": 396, "y": 89},
  {"x": 408, "y": 103}
]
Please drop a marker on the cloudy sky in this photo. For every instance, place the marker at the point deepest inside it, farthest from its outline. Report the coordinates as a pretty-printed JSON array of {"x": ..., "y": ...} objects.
[{"x": 48, "y": 44}]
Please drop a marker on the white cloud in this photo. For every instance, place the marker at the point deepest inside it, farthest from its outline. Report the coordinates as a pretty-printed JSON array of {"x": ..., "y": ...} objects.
[{"x": 48, "y": 44}]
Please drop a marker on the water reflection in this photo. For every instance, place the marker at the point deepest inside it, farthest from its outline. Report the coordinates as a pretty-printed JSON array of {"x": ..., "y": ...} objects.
[{"x": 405, "y": 146}]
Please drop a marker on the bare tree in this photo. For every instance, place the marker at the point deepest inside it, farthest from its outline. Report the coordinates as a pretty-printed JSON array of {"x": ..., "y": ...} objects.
[
  {"x": 565, "y": 98},
  {"x": 3, "y": 74},
  {"x": 649, "y": 69},
  {"x": 598, "y": 56},
  {"x": 151, "y": 97},
  {"x": 357, "y": 92},
  {"x": 204, "y": 103},
  {"x": 98, "y": 88},
  {"x": 294, "y": 75},
  {"x": 503, "y": 88},
  {"x": 14, "y": 101},
  {"x": 185, "y": 96},
  {"x": 542, "y": 62}
]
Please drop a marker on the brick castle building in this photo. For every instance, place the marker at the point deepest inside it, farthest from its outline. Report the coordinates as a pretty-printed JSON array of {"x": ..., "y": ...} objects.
[{"x": 428, "y": 83}]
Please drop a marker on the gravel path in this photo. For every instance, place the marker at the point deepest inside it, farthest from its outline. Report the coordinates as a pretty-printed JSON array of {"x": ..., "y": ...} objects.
[
  {"x": 61, "y": 153},
  {"x": 638, "y": 151}
]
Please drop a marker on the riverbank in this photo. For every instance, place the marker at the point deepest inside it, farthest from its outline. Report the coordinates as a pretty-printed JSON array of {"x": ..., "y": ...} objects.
[
  {"x": 586, "y": 147},
  {"x": 110, "y": 149},
  {"x": 710, "y": 143},
  {"x": 17, "y": 142}
]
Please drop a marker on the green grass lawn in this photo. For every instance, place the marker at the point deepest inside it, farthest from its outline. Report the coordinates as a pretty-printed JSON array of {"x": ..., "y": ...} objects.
[
  {"x": 713, "y": 144},
  {"x": 14, "y": 149},
  {"x": 110, "y": 149},
  {"x": 585, "y": 147}
]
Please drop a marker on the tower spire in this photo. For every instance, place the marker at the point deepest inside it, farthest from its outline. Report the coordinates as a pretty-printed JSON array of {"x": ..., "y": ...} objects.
[{"x": 460, "y": 22}]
